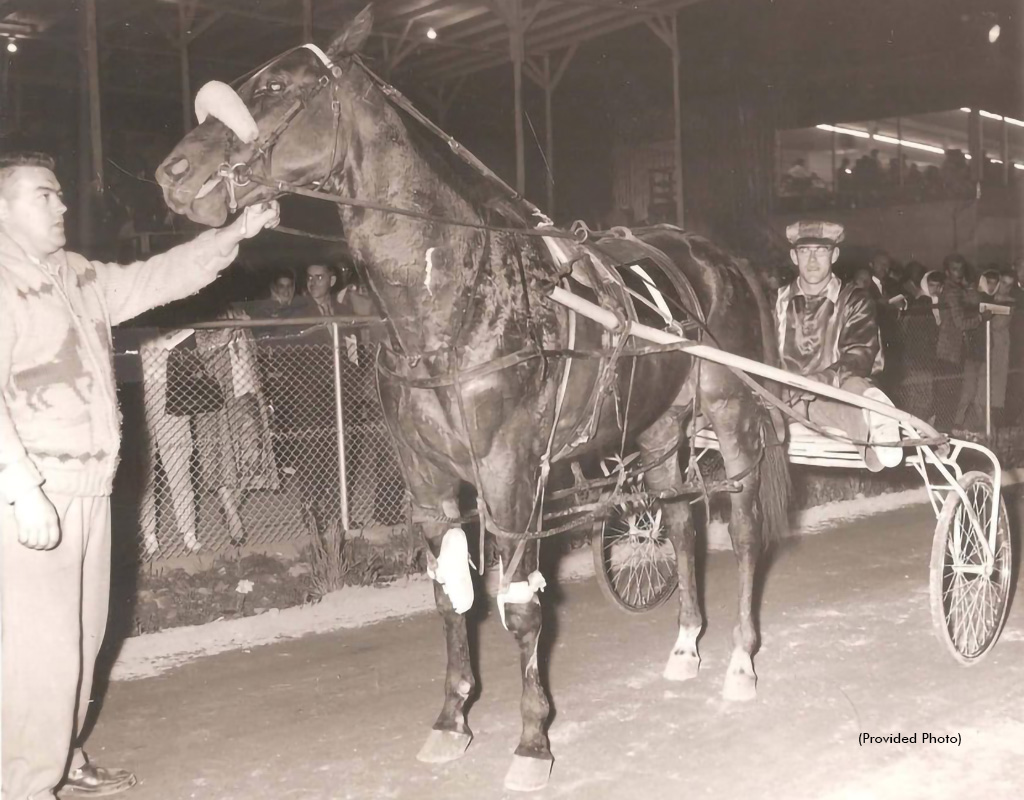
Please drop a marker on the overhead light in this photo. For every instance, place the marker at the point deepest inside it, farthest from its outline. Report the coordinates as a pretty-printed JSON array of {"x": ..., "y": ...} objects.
[
  {"x": 996, "y": 161},
  {"x": 1018, "y": 166},
  {"x": 993, "y": 34},
  {"x": 12, "y": 46},
  {"x": 850, "y": 131},
  {"x": 966, "y": 110},
  {"x": 990, "y": 115},
  {"x": 431, "y": 34},
  {"x": 1012, "y": 121}
]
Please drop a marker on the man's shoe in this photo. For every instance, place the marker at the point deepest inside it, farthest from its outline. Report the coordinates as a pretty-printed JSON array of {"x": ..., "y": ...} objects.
[
  {"x": 93, "y": 781},
  {"x": 882, "y": 429}
]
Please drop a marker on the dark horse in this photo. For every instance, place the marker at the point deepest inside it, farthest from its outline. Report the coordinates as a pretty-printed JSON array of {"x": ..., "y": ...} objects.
[{"x": 471, "y": 380}]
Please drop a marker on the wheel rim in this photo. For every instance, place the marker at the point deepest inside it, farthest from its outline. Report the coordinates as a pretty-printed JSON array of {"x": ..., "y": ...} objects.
[
  {"x": 974, "y": 604},
  {"x": 639, "y": 560}
]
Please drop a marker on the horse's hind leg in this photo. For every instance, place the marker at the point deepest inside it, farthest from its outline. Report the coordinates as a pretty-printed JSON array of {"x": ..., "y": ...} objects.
[
  {"x": 450, "y": 735},
  {"x": 737, "y": 420},
  {"x": 655, "y": 442}
]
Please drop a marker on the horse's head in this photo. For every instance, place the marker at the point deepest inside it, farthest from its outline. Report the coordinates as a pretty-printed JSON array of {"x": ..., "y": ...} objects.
[{"x": 283, "y": 123}]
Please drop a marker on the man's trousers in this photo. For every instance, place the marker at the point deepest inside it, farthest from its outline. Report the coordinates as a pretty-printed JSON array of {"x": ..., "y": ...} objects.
[{"x": 54, "y": 614}]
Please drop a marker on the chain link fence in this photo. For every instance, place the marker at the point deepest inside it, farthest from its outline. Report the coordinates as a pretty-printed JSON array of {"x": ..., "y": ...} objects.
[
  {"x": 233, "y": 432},
  {"x": 981, "y": 396}
]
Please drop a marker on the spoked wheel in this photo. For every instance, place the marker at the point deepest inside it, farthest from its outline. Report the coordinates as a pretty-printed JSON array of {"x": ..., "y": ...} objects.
[
  {"x": 969, "y": 601},
  {"x": 634, "y": 561}
]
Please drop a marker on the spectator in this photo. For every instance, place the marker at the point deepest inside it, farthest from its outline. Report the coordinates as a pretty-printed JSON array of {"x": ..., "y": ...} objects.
[
  {"x": 169, "y": 438},
  {"x": 318, "y": 301},
  {"x": 777, "y": 276},
  {"x": 970, "y": 410},
  {"x": 234, "y": 442},
  {"x": 1015, "y": 385},
  {"x": 862, "y": 279},
  {"x": 59, "y": 441},
  {"x": 890, "y": 302},
  {"x": 918, "y": 330},
  {"x": 957, "y": 320},
  {"x": 281, "y": 297}
]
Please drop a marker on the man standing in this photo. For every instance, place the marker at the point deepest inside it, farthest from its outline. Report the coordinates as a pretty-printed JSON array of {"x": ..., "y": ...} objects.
[
  {"x": 319, "y": 298},
  {"x": 957, "y": 319},
  {"x": 829, "y": 331},
  {"x": 59, "y": 440}
]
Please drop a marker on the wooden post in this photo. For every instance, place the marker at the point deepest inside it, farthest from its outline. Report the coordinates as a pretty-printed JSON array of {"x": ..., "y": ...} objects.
[
  {"x": 186, "y": 79},
  {"x": 1004, "y": 153},
  {"x": 307, "y": 21},
  {"x": 975, "y": 145},
  {"x": 515, "y": 23},
  {"x": 835, "y": 175},
  {"x": 549, "y": 82},
  {"x": 667, "y": 30},
  {"x": 677, "y": 103},
  {"x": 90, "y": 129},
  {"x": 549, "y": 137},
  {"x": 899, "y": 149}
]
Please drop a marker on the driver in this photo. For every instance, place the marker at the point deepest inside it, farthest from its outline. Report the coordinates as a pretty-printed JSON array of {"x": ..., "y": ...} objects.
[{"x": 828, "y": 331}]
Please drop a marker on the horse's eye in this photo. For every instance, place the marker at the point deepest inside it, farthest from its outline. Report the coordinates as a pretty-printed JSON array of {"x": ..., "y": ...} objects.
[{"x": 275, "y": 86}]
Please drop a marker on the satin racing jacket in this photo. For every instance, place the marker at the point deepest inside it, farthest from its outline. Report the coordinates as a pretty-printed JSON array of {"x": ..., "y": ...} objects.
[{"x": 831, "y": 336}]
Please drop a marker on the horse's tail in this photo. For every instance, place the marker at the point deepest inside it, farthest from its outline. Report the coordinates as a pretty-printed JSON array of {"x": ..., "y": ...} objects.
[
  {"x": 774, "y": 492},
  {"x": 775, "y": 488}
]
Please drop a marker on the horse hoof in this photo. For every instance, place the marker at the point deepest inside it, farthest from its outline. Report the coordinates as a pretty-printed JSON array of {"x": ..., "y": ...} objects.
[
  {"x": 443, "y": 746},
  {"x": 528, "y": 774},
  {"x": 740, "y": 687},
  {"x": 682, "y": 667}
]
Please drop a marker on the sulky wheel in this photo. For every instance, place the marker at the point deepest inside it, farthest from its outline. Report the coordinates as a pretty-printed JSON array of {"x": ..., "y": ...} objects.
[
  {"x": 969, "y": 599},
  {"x": 634, "y": 561}
]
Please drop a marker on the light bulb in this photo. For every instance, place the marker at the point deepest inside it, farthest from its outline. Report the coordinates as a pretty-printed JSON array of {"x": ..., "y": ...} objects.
[
  {"x": 431, "y": 33},
  {"x": 12, "y": 46},
  {"x": 993, "y": 34}
]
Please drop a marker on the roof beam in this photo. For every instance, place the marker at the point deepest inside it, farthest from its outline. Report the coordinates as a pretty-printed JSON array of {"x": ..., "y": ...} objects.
[{"x": 549, "y": 37}]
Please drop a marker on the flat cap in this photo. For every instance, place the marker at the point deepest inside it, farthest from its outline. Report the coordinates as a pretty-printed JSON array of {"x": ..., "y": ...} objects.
[{"x": 814, "y": 232}]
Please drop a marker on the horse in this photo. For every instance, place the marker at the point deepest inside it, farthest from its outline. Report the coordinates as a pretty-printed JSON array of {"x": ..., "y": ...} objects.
[{"x": 477, "y": 380}]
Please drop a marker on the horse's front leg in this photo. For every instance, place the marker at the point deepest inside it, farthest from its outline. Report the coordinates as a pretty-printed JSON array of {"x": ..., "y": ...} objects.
[
  {"x": 521, "y": 612},
  {"x": 450, "y": 735},
  {"x": 737, "y": 423}
]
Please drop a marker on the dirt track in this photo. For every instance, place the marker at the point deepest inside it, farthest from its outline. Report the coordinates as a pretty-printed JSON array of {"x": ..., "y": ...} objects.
[{"x": 848, "y": 648}]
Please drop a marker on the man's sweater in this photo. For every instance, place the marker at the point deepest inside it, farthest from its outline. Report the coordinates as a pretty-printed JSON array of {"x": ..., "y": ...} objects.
[{"x": 59, "y": 422}]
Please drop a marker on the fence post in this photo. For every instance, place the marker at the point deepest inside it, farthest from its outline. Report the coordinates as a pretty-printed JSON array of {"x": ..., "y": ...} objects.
[
  {"x": 988, "y": 378},
  {"x": 339, "y": 425}
]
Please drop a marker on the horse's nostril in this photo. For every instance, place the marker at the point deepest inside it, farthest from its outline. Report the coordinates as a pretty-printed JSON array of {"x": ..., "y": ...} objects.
[{"x": 178, "y": 167}]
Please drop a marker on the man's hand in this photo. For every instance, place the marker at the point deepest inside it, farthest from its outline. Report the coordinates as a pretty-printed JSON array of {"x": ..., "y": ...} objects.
[
  {"x": 251, "y": 221},
  {"x": 38, "y": 526}
]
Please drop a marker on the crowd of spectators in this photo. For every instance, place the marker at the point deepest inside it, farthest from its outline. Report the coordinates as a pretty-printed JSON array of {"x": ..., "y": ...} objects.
[
  {"x": 870, "y": 180},
  {"x": 944, "y": 331},
  {"x": 273, "y": 414}
]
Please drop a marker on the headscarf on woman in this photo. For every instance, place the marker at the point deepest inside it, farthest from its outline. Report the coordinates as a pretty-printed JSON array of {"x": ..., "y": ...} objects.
[{"x": 927, "y": 292}]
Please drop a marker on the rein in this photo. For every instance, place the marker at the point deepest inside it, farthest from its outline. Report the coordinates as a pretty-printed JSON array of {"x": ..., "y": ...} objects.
[{"x": 240, "y": 174}]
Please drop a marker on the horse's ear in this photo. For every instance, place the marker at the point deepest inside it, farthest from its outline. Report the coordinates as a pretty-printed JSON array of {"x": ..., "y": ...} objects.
[{"x": 352, "y": 37}]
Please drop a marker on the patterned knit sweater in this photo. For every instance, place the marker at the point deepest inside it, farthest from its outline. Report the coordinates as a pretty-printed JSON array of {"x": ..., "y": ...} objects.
[{"x": 59, "y": 422}]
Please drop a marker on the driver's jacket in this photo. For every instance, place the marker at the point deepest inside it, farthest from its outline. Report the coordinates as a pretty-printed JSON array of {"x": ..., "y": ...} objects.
[{"x": 831, "y": 336}]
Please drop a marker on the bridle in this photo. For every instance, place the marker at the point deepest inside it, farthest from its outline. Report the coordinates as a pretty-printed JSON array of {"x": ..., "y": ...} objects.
[{"x": 240, "y": 174}]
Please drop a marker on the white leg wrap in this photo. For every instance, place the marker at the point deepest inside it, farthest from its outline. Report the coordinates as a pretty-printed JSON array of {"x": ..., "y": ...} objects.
[
  {"x": 519, "y": 592},
  {"x": 452, "y": 570}
]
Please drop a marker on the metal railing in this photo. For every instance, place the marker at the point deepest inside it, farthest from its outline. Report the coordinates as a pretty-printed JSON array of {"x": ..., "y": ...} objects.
[{"x": 247, "y": 431}]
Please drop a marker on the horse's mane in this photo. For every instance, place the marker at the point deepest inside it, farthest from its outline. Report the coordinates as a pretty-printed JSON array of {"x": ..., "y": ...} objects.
[{"x": 475, "y": 187}]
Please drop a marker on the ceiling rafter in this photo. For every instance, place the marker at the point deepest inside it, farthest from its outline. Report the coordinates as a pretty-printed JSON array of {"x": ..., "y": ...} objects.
[{"x": 551, "y": 37}]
